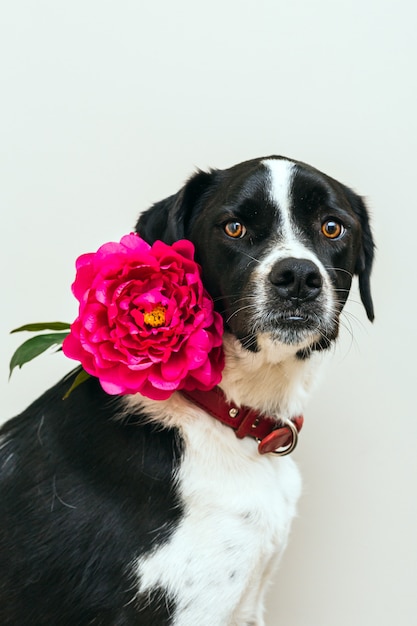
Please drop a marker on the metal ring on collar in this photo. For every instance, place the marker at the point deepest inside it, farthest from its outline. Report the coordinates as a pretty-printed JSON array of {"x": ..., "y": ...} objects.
[{"x": 284, "y": 450}]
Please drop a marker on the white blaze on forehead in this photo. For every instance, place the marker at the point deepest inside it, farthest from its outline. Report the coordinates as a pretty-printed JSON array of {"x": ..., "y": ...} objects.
[
  {"x": 281, "y": 177},
  {"x": 289, "y": 237}
]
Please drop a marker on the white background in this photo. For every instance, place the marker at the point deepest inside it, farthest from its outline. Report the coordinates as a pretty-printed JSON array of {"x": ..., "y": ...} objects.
[{"x": 109, "y": 106}]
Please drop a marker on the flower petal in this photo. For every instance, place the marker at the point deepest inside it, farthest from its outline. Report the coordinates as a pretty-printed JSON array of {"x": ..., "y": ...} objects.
[{"x": 121, "y": 288}]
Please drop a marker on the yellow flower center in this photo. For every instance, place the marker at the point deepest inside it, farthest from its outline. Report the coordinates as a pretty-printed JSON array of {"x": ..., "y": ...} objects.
[{"x": 156, "y": 317}]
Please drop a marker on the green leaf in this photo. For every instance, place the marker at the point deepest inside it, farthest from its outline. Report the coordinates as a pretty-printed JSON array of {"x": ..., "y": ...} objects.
[
  {"x": 33, "y": 347},
  {"x": 42, "y": 326},
  {"x": 81, "y": 377}
]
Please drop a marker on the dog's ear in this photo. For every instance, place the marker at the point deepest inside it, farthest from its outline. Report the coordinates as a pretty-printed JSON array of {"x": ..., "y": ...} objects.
[
  {"x": 366, "y": 256},
  {"x": 168, "y": 219}
]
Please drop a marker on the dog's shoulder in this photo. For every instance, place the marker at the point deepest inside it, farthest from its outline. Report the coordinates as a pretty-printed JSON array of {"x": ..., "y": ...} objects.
[{"x": 85, "y": 487}]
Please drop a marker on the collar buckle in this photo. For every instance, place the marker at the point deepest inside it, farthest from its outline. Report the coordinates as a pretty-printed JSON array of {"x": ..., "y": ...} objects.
[{"x": 281, "y": 441}]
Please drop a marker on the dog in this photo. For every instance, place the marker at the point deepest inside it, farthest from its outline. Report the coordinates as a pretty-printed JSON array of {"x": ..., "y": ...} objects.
[{"x": 121, "y": 510}]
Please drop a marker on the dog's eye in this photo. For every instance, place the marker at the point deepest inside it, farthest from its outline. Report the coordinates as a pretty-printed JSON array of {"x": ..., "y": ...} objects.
[
  {"x": 332, "y": 229},
  {"x": 235, "y": 229}
]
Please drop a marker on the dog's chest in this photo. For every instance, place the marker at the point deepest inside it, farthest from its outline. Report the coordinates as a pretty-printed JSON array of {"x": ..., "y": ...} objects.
[{"x": 238, "y": 508}]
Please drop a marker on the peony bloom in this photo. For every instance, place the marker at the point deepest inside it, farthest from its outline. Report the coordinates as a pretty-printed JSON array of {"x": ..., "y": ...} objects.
[{"x": 145, "y": 322}]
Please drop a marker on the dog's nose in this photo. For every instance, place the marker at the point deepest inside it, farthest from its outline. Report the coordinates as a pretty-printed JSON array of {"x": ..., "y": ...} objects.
[{"x": 298, "y": 280}]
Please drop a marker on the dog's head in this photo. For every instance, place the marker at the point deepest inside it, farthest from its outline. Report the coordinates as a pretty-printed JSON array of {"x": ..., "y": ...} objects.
[{"x": 278, "y": 242}]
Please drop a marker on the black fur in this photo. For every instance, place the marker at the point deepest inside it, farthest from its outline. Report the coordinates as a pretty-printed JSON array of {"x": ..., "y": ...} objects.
[
  {"x": 198, "y": 212},
  {"x": 92, "y": 490},
  {"x": 85, "y": 488}
]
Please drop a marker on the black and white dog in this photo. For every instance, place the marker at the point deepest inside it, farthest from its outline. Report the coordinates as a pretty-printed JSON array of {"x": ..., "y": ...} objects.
[{"x": 124, "y": 510}]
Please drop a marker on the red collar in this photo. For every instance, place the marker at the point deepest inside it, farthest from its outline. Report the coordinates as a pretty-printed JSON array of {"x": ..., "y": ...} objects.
[{"x": 249, "y": 423}]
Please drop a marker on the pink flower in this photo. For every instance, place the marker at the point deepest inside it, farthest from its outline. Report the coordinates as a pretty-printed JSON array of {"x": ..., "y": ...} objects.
[{"x": 145, "y": 322}]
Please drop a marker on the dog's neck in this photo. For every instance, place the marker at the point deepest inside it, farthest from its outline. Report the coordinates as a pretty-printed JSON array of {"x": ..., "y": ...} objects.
[{"x": 274, "y": 380}]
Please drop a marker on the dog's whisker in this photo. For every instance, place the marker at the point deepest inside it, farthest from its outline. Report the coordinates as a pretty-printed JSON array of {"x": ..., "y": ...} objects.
[
  {"x": 251, "y": 257},
  {"x": 242, "y": 308},
  {"x": 348, "y": 315},
  {"x": 232, "y": 296},
  {"x": 348, "y": 328},
  {"x": 249, "y": 341},
  {"x": 338, "y": 269}
]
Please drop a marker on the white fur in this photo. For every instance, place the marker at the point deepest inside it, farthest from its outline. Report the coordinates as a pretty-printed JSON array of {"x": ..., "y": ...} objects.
[
  {"x": 281, "y": 175},
  {"x": 238, "y": 504},
  {"x": 238, "y": 509}
]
